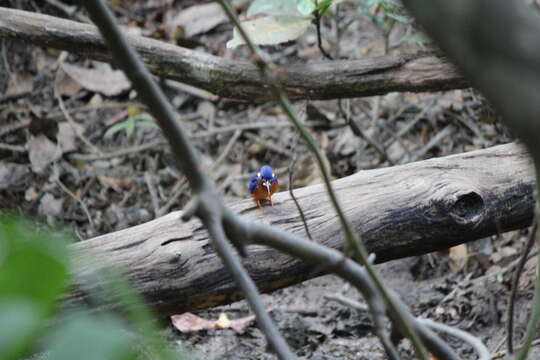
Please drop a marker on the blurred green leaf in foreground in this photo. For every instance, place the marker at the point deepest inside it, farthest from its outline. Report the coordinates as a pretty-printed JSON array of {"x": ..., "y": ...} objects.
[{"x": 33, "y": 274}]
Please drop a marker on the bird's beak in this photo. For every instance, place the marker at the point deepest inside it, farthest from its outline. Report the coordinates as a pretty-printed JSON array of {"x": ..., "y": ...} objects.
[{"x": 267, "y": 184}]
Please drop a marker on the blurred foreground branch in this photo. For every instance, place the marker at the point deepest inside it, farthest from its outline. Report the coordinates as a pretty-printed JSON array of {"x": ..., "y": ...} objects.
[{"x": 502, "y": 62}]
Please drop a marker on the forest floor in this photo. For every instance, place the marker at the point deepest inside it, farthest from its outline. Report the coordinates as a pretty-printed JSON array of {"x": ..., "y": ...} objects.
[{"x": 78, "y": 152}]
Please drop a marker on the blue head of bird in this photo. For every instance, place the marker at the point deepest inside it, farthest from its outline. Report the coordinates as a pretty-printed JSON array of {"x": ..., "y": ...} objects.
[{"x": 265, "y": 177}]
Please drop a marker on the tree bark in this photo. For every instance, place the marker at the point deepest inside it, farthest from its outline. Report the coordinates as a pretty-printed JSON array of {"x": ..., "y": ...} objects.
[
  {"x": 239, "y": 79},
  {"x": 399, "y": 211}
]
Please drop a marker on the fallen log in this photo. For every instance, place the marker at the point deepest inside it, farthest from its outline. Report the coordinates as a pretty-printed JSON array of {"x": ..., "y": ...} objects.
[
  {"x": 240, "y": 79},
  {"x": 399, "y": 211}
]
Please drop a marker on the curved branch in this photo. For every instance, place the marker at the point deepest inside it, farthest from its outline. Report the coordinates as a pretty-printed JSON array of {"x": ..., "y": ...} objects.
[
  {"x": 206, "y": 203},
  {"x": 240, "y": 79}
]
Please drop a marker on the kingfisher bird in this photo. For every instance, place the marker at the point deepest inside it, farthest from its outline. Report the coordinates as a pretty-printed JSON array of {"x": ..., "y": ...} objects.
[{"x": 263, "y": 184}]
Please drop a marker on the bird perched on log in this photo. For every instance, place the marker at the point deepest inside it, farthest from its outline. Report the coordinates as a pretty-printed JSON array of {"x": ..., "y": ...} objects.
[{"x": 263, "y": 184}]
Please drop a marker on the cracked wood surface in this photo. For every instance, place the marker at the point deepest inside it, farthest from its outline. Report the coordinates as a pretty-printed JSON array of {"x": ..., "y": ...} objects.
[
  {"x": 240, "y": 79},
  {"x": 400, "y": 211}
]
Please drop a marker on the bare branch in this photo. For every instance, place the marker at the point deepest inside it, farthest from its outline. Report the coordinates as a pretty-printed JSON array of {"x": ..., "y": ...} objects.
[
  {"x": 207, "y": 196},
  {"x": 240, "y": 79}
]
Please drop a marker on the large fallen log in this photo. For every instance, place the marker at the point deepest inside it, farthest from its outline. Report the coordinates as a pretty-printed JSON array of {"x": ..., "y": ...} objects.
[
  {"x": 240, "y": 79},
  {"x": 400, "y": 211}
]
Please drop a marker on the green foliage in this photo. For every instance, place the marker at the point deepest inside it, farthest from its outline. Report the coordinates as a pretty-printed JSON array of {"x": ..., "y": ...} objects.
[
  {"x": 382, "y": 11},
  {"x": 33, "y": 274},
  {"x": 306, "y": 7},
  {"x": 33, "y": 271},
  {"x": 135, "y": 119},
  {"x": 285, "y": 20},
  {"x": 273, "y": 8}
]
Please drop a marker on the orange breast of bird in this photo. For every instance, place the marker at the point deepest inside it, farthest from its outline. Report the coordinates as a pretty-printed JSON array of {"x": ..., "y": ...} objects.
[{"x": 260, "y": 192}]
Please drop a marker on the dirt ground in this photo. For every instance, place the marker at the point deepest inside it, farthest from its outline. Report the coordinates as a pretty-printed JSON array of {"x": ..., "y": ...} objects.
[{"x": 78, "y": 152}]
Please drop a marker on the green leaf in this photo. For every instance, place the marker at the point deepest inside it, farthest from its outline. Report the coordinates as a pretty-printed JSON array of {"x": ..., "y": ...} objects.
[
  {"x": 130, "y": 126},
  {"x": 323, "y": 6},
  {"x": 273, "y": 7},
  {"x": 272, "y": 30},
  {"x": 33, "y": 272},
  {"x": 306, "y": 7},
  {"x": 20, "y": 319},
  {"x": 32, "y": 265},
  {"x": 145, "y": 120},
  {"x": 399, "y": 18},
  {"x": 114, "y": 129},
  {"x": 87, "y": 337}
]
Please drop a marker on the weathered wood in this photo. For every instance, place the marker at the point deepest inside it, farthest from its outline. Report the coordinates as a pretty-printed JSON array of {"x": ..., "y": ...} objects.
[
  {"x": 240, "y": 79},
  {"x": 400, "y": 211}
]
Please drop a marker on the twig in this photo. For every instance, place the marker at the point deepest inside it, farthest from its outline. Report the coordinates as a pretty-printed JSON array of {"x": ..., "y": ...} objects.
[
  {"x": 181, "y": 186},
  {"x": 6, "y": 129},
  {"x": 357, "y": 130},
  {"x": 291, "y": 192},
  {"x": 270, "y": 145},
  {"x": 14, "y": 148},
  {"x": 441, "y": 135},
  {"x": 72, "y": 123},
  {"x": 345, "y": 268},
  {"x": 152, "y": 191},
  {"x": 122, "y": 152},
  {"x": 379, "y": 325},
  {"x": 206, "y": 204},
  {"x": 479, "y": 347},
  {"x": 56, "y": 176},
  {"x": 512, "y": 297},
  {"x": 317, "y": 21},
  {"x": 353, "y": 239},
  {"x": 347, "y": 302},
  {"x": 157, "y": 143},
  {"x": 503, "y": 353},
  {"x": 192, "y": 90}
]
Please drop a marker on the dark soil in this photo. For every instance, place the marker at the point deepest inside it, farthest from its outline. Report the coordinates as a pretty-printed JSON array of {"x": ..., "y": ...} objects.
[{"x": 65, "y": 168}]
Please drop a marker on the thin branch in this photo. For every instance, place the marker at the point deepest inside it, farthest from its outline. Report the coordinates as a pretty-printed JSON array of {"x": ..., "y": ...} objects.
[
  {"x": 353, "y": 239},
  {"x": 206, "y": 203},
  {"x": 317, "y": 21},
  {"x": 515, "y": 282},
  {"x": 345, "y": 268},
  {"x": 291, "y": 192},
  {"x": 479, "y": 347}
]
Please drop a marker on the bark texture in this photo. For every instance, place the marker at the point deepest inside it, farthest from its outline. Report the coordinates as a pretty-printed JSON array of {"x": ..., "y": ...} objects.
[
  {"x": 240, "y": 79},
  {"x": 400, "y": 211}
]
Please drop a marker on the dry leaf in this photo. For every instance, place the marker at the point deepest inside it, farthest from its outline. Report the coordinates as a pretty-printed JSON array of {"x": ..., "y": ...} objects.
[
  {"x": 458, "y": 257},
  {"x": 222, "y": 322},
  {"x": 12, "y": 174},
  {"x": 20, "y": 82},
  {"x": 118, "y": 184},
  {"x": 67, "y": 134},
  {"x": 31, "y": 194},
  {"x": 188, "y": 322},
  {"x": 50, "y": 206},
  {"x": 240, "y": 325},
  {"x": 65, "y": 85},
  {"x": 104, "y": 80},
  {"x": 271, "y": 30},
  {"x": 42, "y": 152},
  {"x": 198, "y": 19}
]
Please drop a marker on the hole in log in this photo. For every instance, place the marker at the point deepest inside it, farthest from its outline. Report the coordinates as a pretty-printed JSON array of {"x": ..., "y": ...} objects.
[{"x": 468, "y": 207}]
